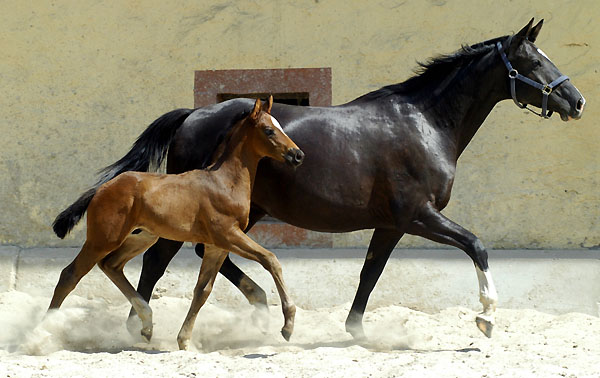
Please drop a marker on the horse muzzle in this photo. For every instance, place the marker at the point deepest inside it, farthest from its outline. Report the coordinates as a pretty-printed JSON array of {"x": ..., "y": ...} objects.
[{"x": 294, "y": 157}]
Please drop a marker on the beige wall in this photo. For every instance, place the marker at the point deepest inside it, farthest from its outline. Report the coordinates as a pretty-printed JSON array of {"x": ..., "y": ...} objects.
[{"x": 81, "y": 79}]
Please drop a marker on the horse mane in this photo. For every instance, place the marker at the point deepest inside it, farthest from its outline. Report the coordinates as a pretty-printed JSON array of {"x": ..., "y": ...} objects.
[
  {"x": 226, "y": 143},
  {"x": 438, "y": 72}
]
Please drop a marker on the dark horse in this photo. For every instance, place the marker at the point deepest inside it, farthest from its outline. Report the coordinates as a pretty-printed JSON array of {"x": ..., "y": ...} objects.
[{"x": 385, "y": 160}]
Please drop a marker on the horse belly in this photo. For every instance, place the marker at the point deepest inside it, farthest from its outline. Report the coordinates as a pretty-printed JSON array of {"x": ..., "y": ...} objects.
[{"x": 317, "y": 201}]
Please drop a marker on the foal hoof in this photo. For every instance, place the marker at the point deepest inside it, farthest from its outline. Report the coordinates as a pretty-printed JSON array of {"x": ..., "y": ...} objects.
[
  {"x": 286, "y": 334},
  {"x": 146, "y": 333},
  {"x": 183, "y": 344},
  {"x": 485, "y": 324},
  {"x": 134, "y": 325}
]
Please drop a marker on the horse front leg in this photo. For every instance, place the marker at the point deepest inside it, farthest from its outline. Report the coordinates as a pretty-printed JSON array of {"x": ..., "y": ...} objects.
[
  {"x": 381, "y": 246},
  {"x": 432, "y": 225}
]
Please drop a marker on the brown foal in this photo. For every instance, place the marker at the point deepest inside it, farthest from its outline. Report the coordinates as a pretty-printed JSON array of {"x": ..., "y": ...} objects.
[{"x": 202, "y": 206}]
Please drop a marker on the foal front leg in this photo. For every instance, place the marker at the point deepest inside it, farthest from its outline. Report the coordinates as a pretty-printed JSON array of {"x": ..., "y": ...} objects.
[
  {"x": 242, "y": 245},
  {"x": 211, "y": 263},
  {"x": 431, "y": 224}
]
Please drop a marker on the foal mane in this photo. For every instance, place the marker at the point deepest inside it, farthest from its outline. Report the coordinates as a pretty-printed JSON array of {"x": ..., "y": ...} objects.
[
  {"x": 227, "y": 143},
  {"x": 438, "y": 71}
]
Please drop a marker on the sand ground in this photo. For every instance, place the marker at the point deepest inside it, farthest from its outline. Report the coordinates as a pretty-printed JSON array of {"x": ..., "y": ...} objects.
[{"x": 88, "y": 338}]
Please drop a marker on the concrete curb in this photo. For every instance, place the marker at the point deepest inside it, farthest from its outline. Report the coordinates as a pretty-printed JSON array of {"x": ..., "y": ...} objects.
[{"x": 556, "y": 281}]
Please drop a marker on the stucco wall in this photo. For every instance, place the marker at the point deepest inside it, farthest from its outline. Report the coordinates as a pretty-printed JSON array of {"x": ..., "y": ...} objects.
[{"x": 81, "y": 79}]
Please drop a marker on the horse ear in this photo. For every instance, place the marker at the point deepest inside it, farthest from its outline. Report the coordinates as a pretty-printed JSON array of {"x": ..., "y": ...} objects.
[
  {"x": 524, "y": 33},
  {"x": 256, "y": 109},
  {"x": 268, "y": 105},
  {"x": 535, "y": 31}
]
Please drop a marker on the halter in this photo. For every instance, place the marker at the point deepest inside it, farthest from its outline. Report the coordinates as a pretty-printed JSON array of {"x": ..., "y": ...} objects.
[{"x": 545, "y": 88}]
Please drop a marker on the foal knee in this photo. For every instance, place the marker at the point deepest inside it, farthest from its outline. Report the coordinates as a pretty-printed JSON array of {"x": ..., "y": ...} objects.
[{"x": 106, "y": 266}]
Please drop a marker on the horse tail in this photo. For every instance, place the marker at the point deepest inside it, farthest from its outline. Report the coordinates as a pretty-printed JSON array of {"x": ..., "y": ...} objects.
[{"x": 148, "y": 152}]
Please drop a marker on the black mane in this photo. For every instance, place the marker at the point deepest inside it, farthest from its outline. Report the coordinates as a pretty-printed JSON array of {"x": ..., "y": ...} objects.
[{"x": 438, "y": 71}]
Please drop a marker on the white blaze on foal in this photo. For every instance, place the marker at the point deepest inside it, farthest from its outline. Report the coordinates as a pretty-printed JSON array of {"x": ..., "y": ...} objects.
[{"x": 276, "y": 123}]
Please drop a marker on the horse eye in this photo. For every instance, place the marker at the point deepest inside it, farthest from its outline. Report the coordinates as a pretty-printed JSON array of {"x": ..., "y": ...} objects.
[
  {"x": 537, "y": 63},
  {"x": 269, "y": 132}
]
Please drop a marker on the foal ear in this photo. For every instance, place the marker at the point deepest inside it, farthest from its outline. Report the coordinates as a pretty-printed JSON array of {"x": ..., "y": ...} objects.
[
  {"x": 268, "y": 105},
  {"x": 535, "y": 31},
  {"x": 256, "y": 109}
]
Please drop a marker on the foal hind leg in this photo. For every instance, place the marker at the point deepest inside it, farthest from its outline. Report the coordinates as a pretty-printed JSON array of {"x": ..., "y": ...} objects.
[
  {"x": 154, "y": 264},
  {"x": 112, "y": 265},
  {"x": 74, "y": 272},
  {"x": 211, "y": 262},
  {"x": 432, "y": 225},
  {"x": 242, "y": 245}
]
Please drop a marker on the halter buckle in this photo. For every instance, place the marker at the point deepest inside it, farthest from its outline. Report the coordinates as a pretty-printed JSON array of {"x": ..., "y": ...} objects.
[
  {"x": 547, "y": 90},
  {"x": 513, "y": 73}
]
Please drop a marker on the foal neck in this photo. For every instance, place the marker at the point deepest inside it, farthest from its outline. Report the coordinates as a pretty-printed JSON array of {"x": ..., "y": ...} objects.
[{"x": 238, "y": 154}]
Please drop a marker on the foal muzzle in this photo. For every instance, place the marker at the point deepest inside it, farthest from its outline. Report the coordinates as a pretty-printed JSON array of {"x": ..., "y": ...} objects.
[{"x": 294, "y": 157}]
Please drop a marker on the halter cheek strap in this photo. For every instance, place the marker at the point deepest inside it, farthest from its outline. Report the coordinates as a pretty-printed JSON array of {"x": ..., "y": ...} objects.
[{"x": 546, "y": 89}]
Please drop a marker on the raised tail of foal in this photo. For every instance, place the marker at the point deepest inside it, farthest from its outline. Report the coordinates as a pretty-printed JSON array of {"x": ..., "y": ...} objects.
[{"x": 148, "y": 152}]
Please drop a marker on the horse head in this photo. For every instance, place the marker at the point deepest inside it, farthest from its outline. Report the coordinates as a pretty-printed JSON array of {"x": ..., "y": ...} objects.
[
  {"x": 535, "y": 80},
  {"x": 269, "y": 138}
]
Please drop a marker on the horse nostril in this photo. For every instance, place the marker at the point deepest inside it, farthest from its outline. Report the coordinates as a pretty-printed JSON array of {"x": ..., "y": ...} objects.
[
  {"x": 580, "y": 104},
  {"x": 299, "y": 157}
]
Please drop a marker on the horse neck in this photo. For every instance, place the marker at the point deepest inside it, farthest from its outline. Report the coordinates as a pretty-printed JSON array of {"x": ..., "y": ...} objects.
[{"x": 460, "y": 109}]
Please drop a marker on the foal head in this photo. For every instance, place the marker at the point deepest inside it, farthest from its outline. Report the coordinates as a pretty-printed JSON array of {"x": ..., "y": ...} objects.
[{"x": 267, "y": 136}]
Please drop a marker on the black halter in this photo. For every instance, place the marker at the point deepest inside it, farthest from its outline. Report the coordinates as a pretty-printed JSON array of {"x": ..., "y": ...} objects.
[{"x": 545, "y": 88}]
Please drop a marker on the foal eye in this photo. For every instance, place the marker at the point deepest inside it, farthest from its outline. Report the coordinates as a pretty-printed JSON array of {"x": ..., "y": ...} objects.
[{"x": 269, "y": 132}]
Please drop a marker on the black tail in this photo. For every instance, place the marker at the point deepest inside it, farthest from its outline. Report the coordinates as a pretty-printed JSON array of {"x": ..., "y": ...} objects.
[{"x": 148, "y": 151}]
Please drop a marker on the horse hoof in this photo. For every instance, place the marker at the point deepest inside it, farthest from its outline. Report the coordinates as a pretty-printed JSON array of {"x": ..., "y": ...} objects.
[
  {"x": 260, "y": 319},
  {"x": 356, "y": 330},
  {"x": 485, "y": 324},
  {"x": 147, "y": 333},
  {"x": 286, "y": 334}
]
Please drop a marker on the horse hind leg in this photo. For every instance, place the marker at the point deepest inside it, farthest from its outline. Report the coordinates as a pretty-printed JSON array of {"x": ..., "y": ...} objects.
[
  {"x": 113, "y": 264},
  {"x": 74, "y": 272},
  {"x": 211, "y": 263}
]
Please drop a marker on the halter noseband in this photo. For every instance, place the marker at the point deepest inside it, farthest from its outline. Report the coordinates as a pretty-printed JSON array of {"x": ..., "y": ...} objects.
[{"x": 545, "y": 88}]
